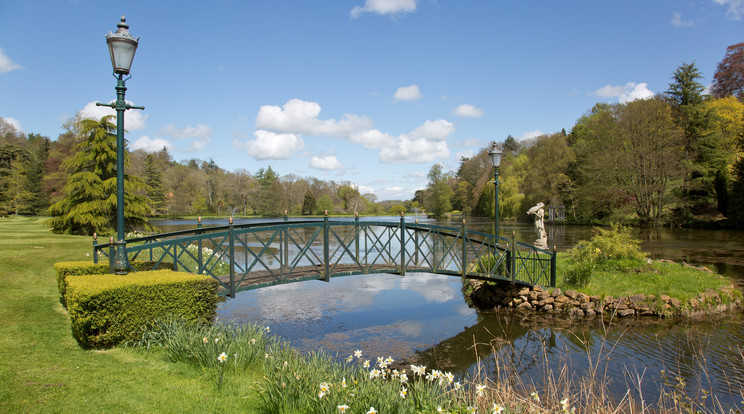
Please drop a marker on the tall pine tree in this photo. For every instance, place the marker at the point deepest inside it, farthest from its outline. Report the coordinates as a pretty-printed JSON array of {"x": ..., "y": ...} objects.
[{"x": 89, "y": 203}]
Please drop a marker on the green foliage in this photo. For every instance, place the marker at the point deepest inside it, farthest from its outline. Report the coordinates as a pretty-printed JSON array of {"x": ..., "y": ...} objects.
[
  {"x": 89, "y": 205},
  {"x": 154, "y": 181},
  {"x": 108, "y": 309},
  {"x": 308, "y": 203},
  {"x": 324, "y": 203},
  {"x": 487, "y": 264},
  {"x": 440, "y": 194},
  {"x": 606, "y": 245},
  {"x": 84, "y": 267},
  {"x": 194, "y": 342},
  {"x": 396, "y": 209}
]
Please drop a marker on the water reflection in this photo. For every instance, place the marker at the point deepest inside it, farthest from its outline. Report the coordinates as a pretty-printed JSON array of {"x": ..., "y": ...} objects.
[{"x": 423, "y": 319}]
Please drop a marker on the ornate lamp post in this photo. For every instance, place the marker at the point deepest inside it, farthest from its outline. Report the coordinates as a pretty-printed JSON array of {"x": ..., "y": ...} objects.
[
  {"x": 122, "y": 46},
  {"x": 495, "y": 155}
]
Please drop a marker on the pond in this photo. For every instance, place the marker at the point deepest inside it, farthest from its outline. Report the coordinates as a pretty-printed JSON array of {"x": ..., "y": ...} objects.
[{"x": 423, "y": 319}]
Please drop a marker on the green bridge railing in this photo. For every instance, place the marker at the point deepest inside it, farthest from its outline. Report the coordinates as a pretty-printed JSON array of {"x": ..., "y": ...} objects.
[{"x": 255, "y": 255}]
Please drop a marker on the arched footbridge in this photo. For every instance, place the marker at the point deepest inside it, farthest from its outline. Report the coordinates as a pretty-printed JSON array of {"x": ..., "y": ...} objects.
[{"x": 255, "y": 255}]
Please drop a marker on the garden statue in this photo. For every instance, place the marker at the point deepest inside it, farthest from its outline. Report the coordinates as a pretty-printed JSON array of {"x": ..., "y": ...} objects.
[{"x": 542, "y": 237}]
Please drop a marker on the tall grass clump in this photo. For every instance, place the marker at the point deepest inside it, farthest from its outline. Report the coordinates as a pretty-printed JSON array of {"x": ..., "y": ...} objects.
[
  {"x": 612, "y": 248},
  {"x": 181, "y": 340}
]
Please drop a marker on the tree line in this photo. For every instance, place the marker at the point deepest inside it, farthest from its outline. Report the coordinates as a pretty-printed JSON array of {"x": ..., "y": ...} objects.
[
  {"x": 674, "y": 158},
  {"x": 73, "y": 179}
]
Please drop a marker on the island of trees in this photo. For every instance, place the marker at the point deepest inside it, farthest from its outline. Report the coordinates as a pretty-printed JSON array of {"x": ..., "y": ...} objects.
[{"x": 675, "y": 158}]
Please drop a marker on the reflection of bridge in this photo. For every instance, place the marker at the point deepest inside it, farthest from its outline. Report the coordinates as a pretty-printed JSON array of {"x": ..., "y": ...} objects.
[{"x": 255, "y": 255}]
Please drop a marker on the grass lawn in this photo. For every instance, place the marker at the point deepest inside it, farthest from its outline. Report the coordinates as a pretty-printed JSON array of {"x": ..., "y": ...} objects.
[
  {"x": 44, "y": 370},
  {"x": 659, "y": 278}
]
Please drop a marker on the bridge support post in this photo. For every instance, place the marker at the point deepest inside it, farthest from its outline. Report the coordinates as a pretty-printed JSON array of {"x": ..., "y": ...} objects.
[
  {"x": 356, "y": 237},
  {"x": 285, "y": 234},
  {"x": 513, "y": 257},
  {"x": 416, "y": 245},
  {"x": 434, "y": 252},
  {"x": 464, "y": 236},
  {"x": 326, "y": 248},
  {"x": 402, "y": 244},
  {"x": 200, "y": 259},
  {"x": 231, "y": 234},
  {"x": 553, "y": 261}
]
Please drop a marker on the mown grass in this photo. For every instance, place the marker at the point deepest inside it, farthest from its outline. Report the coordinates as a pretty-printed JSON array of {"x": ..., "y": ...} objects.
[
  {"x": 44, "y": 370},
  {"x": 623, "y": 277}
]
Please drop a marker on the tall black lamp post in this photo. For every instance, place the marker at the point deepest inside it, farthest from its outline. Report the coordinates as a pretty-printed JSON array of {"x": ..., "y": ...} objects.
[
  {"x": 495, "y": 155},
  {"x": 122, "y": 46}
]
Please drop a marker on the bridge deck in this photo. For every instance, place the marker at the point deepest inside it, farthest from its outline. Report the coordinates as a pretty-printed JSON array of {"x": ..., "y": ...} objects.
[{"x": 264, "y": 278}]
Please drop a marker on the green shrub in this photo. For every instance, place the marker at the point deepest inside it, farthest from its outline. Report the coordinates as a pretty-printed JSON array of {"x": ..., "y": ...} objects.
[
  {"x": 108, "y": 309},
  {"x": 612, "y": 247},
  {"x": 84, "y": 267},
  {"x": 487, "y": 263}
]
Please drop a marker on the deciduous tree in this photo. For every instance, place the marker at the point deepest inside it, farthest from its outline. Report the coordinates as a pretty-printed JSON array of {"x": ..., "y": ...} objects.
[{"x": 729, "y": 77}]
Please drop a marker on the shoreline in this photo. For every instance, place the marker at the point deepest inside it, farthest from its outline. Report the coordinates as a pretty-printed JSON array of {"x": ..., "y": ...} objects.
[{"x": 573, "y": 304}]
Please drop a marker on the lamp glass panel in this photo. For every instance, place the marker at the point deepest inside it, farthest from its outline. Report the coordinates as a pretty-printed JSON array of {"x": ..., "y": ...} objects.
[{"x": 122, "y": 54}]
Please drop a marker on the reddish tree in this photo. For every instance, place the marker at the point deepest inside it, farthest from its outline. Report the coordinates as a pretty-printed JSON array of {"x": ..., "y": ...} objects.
[{"x": 729, "y": 76}]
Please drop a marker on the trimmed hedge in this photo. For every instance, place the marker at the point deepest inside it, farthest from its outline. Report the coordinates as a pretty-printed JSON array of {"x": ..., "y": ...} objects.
[
  {"x": 83, "y": 267},
  {"x": 108, "y": 309}
]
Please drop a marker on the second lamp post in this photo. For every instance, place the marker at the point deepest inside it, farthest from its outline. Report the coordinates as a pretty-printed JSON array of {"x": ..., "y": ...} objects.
[{"x": 495, "y": 155}]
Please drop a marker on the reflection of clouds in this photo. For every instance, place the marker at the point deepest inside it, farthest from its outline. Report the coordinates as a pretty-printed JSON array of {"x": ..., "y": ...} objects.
[
  {"x": 410, "y": 328},
  {"x": 315, "y": 300},
  {"x": 434, "y": 288},
  {"x": 463, "y": 309}
]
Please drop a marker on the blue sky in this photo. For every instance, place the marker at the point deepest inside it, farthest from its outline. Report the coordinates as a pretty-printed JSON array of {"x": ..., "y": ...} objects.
[{"x": 370, "y": 91}]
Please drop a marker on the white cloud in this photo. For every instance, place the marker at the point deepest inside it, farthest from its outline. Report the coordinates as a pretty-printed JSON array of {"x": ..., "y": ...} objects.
[
  {"x": 198, "y": 131},
  {"x": 630, "y": 92},
  {"x": 468, "y": 111},
  {"x": 735, "y": 8},
  {"x": 407, "y": 93},
  {"x": 134, "y": 119},
  {"x": 383, "y": 7},
  {"x": 464, "y": 154},
  {"x": 270, "y": 145},
  {"x": 301, "y": 117},
  {"x": 363, "y": 189},
  {"x": 151, "y": 145},
  {"x": 7, "y": 64},
  {"x": 372, "y": 139},
  {"x": 426, "y": 143},
  {"x": 531, "y": 134},
  {"x": 410, "y": 149},
  {"x": 437, "y": 130},
  {"x": 16, "y": 124},
  {"x": 678, "y": 22},
  {"x": 199, "y": 144},
  {"x": 327, "y": 162}
]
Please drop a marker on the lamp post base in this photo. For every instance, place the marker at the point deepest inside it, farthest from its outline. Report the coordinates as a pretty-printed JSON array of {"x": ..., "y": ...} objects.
[{"x": 121, "y": 261}]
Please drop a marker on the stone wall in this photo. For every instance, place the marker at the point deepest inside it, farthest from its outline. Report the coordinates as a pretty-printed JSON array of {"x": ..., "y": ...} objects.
[{"x": 491, "y": 295}]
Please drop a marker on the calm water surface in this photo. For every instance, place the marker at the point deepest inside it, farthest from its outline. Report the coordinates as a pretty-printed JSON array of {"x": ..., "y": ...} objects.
[{"x": 423, "y": 319}]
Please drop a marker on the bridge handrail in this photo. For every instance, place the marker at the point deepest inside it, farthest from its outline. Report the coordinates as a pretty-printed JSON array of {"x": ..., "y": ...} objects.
[{"x": 392, "y": 250}]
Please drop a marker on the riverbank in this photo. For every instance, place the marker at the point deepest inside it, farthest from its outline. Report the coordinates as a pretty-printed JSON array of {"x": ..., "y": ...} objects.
[{"x": 658, "y": 288}]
